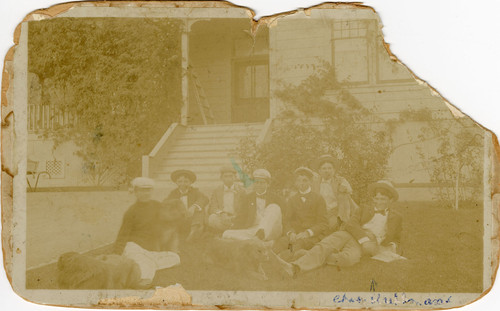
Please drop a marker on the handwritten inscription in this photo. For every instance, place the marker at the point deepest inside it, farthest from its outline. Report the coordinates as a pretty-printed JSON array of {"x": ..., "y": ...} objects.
[{"x": 393, "y": 299}]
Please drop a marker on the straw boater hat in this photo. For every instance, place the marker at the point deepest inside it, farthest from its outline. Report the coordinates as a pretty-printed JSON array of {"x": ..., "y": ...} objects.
[
  {"x": 304, "y": 171},
  {"x": 227, "y": 169},
  {"x": 326, "y": 158},
  {"x": 261, "y": 174},
  {"x": 383, "y": 184},
  {"x": 143, "y": 182},
  {"x": 189, "y": 174}
]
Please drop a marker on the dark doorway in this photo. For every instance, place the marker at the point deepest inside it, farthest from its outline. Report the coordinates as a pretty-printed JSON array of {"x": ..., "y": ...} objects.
[{"x": 251, "y": 90}]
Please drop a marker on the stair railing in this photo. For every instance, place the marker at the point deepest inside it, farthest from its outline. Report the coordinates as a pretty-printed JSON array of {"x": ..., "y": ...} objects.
[
  {"x": 201, "y": 98},
  {"x": 150, "y": 161}
]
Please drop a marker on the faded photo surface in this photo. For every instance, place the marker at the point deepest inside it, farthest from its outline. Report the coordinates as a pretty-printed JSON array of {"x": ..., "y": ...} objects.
[{"x": 199, "y": 149}]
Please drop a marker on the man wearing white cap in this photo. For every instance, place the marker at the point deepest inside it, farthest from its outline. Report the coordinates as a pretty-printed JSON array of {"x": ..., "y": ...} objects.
[
  {"x": 141, "y": 236},
  {"x": 260, "y": 212}
]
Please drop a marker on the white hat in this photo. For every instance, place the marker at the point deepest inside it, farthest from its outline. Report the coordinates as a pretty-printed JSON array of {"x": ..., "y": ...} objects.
[
  {"x": 383, "y": 184},
  {"x": 143, "y": 182},
  {"x": 261, "y": 174}
]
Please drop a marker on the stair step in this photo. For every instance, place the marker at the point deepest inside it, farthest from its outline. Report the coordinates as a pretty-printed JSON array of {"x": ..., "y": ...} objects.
[
  {"x": 200, "y": 155},
  {"x": 208, "y": 141},
  {"x": 191, "y": 162},
  {"x": 219, "y": 134},
  {"x": 225, "y": 127},
  {"x": 203, "y": 148}
]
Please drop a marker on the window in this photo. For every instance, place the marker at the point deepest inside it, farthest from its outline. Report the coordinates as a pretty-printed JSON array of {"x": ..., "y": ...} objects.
[
  {"x": 360, "y": 57},
  {"x": 351, "y": 50}
]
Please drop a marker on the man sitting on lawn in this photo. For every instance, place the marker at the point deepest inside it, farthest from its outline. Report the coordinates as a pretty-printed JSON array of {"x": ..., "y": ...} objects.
[
  {"x": 336, "y": 191},
  {"x": 194, "y": 203},
  {"x": 260, "y": 212},
  {"x": 141, "y": 236},
  {"x": 225, "y": 201},
  {"x": 305, "y": 220},
  {"x": 371, "y": 229}
]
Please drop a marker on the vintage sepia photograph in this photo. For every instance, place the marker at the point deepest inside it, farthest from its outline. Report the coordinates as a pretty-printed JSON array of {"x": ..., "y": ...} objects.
[{"x": 246, "y": 163}]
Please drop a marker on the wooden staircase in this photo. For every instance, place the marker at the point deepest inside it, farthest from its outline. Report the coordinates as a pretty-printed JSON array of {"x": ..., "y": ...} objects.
[{"x": 202, "y": 149}]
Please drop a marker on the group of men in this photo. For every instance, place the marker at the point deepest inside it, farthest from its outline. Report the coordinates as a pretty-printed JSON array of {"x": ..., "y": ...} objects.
[{"x": 320, "y": 223}]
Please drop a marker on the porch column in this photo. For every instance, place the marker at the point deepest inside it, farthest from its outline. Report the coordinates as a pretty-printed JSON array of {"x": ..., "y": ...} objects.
[{"x": 185, "y": 78}]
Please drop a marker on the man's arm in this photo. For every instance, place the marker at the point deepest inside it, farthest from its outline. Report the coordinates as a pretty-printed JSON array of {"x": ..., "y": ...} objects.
[
  {"x": 289, "y": 217},
  {"x": 394, "y": 228},
  {"x": 353, "y": 226},
  {"x": 124, "y": 234},
  {"x": 321, "y": 224},
  {"x": 214, "y": 206},
  {"x": 242, "y": 212},
  {"x": 174, "y": 194},
  {"x": 344, "y": 185},
  {"x": 201, "y": 200}
]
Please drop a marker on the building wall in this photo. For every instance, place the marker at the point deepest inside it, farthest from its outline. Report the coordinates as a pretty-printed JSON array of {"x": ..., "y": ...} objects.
[
  {"x": 210, "y": 57},
  {"x": 295, "y": 50},
  {"x": 67, "y": 171}
]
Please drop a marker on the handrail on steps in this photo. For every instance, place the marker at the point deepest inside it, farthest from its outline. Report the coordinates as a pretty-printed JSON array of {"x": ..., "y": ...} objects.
[
  {"x": 265, "y": 133},
  {"x": 164, "y": 141}
]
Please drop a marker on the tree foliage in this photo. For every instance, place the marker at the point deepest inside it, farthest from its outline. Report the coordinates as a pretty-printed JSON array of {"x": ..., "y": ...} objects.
[
  {"x": 121, "y": 78},
  {"x": 298, "y": 138},
  {"x": 456, "y": 165}
]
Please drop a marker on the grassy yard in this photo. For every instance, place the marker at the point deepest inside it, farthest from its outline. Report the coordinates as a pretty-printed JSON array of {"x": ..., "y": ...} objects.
[{"x": 443, "y": 247}]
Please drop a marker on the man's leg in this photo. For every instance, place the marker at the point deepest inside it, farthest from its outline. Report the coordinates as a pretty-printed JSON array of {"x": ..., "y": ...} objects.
[
  {"x": 218, "y": 223},
  {"x": 281, "y": 244},
  {"x": 240, "y": 234},
  {"x": 317, "y": 255},
  {"x": 271, "y": 223},
  {"x": 348, "y": 256}
]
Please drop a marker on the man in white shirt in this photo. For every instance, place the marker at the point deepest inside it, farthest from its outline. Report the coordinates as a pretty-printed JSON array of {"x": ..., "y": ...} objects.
[
  {"x": 225, "y": 201},
  {"x": 336, "y": 191},
  {"x": 259, "y": 215}
]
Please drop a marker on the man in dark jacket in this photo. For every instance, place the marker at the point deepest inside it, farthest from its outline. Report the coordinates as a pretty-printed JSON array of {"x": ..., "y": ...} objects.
[
  {"x": 305, "y": 221},
  {"x": 372, "y": 228},
  {"x": 194, "y": 202},
  {"x": 142, "y": 235},
  {"x": 260, "y": 212}
]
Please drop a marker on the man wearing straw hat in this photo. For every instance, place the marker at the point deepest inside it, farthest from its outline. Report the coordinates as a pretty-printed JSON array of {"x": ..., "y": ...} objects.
[
  {"x": 194, "y": 203},
  {"x": 260, "y": 212}
]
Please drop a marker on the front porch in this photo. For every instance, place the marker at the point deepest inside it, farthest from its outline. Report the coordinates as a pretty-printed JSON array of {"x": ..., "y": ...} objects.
[{"x": 227, "y": 73}]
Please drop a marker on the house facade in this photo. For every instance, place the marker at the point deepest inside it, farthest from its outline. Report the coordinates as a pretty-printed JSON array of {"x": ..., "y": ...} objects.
[{"x": 231, "y": 74}]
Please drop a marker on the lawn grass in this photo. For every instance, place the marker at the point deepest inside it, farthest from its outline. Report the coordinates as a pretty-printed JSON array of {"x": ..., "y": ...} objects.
[{"x": 443, "y": 247}]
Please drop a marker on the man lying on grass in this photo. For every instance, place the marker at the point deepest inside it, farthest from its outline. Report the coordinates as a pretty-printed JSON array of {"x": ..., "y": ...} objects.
[{"x": 371, "y": 229}]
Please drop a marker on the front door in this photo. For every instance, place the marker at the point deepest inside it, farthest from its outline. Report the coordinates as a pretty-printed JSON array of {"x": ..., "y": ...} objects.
[{"x": 250, "y": 90}]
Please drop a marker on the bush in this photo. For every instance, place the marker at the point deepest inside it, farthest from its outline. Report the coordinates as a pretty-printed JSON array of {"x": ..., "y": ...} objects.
[{"x": 362, "y": 150}]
